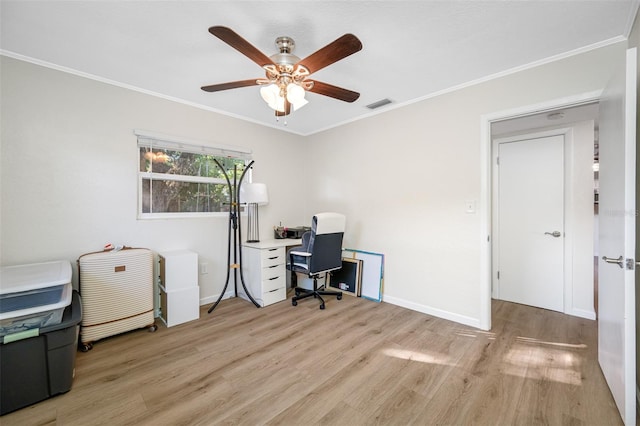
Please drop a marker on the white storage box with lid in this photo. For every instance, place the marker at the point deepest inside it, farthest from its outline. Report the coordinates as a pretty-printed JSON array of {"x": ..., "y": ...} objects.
[{"x": 33, "y": 295}]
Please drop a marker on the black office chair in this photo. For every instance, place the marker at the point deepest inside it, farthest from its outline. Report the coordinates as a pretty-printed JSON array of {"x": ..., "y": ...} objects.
[{"x": 320, "y": 253}]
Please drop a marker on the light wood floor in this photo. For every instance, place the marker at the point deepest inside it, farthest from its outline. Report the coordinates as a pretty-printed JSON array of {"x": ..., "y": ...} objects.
[{"x": 356, "y": 363}]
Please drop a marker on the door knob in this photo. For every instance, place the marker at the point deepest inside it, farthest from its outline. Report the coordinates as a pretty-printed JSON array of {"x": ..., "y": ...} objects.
[
  {"x": 554, "y": 234},
  {"x": 619, "y": 261}
]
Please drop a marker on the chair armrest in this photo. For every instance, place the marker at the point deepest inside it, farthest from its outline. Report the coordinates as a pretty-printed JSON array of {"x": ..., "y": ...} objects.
[
  {"x": 305, "y": 240},
  {"x": 300, "y": 253}
]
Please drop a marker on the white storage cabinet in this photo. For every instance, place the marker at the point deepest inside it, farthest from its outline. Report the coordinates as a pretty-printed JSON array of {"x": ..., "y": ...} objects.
[
  {"x": 179, "y": 291},
  {"x": 265, "y": 273}
]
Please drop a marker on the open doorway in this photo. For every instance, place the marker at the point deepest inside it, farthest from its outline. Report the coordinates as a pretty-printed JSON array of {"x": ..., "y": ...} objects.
[{"x": 580, "y": 124}]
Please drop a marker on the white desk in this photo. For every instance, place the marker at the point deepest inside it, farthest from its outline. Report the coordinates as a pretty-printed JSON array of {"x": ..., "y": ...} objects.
[
  {"x": 266, "y": 244},
  {"x": 264, "y": 268}
]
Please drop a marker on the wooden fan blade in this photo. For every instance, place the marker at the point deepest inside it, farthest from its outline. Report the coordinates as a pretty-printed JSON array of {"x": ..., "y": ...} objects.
[
  {"x": 333, "y": 91},
  {"x": 344, "y": 46},
  {"x": 287, "y": 109},
  {"x": 230, "y": 85},
  {"x": 241, "y": 45}
]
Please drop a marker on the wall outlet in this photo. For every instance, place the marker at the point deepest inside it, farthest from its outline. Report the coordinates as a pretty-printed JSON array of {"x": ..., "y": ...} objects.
[{"x": 470, "y": 206}]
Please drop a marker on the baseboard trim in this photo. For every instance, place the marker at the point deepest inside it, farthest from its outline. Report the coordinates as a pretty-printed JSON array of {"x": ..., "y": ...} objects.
[
  {"x": 429, "y": 310},
  {"x": 582, "y": 313},
  {"x": 212, "y": 299}
]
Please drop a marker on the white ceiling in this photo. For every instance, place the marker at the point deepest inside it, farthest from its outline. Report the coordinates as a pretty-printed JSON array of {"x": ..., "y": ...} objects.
[{"x": 411, "y": 49}]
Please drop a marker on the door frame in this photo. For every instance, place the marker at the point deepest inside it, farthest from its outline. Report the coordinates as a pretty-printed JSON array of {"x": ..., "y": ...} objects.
[
  {"x": 485, "y": 208},
  {"x": 567, "y": 207}
]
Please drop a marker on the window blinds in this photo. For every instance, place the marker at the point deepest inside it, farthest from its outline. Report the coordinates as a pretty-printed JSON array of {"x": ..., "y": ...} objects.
[{"x": 154, "y": 140}]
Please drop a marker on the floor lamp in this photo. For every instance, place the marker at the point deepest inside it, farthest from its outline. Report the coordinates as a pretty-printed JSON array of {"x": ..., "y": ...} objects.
[
  {"x": 254, "y": 194},
  {"x": 235, "y": 234}
]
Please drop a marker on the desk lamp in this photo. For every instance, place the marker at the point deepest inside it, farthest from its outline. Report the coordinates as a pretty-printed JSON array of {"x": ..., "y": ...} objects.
[{"x": 254, "y": 194}]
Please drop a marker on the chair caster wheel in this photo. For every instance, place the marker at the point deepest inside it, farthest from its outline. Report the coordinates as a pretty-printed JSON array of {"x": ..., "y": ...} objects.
[
  {"x": 322, "y": 306},
  {"x": 340, "y": 297},
  {"x": 152, "y": 328},
  {"x": 294, "y": 302},
  {"x": 86, "y": 347}
]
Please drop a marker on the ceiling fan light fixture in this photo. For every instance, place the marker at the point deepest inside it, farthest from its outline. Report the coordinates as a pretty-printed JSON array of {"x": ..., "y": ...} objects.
[
  {"x": 295, "y": 96},
  {"x": 279, "y": 104},
  {"x": 271, "y": 95},
  {"x": 286, "y": 74},
  {"x": 299, "y": 104},
  {"x": 295, "y": 93}
]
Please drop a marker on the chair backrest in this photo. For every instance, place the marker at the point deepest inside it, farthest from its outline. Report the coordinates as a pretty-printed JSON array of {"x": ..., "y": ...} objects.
[{"x": 325, "y": 243}]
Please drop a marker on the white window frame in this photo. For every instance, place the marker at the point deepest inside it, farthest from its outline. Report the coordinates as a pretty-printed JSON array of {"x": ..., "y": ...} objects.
[{"x": 155, "y": 140}]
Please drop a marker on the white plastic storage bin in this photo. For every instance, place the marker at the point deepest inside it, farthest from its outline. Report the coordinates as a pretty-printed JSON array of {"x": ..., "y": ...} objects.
[{"x": 33, "y": 295}]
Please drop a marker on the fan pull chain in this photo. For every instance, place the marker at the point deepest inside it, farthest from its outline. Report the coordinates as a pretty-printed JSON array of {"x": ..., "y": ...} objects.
[{"x": 278, "y": 121}]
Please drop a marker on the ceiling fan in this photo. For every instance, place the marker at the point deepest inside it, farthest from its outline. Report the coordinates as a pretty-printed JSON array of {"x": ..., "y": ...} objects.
[{"x": 286, "y": 75}]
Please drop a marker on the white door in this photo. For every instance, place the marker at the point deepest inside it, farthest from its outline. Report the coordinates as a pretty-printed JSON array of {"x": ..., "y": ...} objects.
[
  {"x": 616, "y": 291},
  {"x": 529, "y": 221}
]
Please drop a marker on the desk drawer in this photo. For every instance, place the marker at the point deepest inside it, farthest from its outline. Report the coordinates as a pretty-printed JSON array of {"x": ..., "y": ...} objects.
[
  {"x": 271, "y": 297},
  {"x": 273, "y": 271},
  {"x": 271, "y": 257},
  {"x": 273, "y": 283}
]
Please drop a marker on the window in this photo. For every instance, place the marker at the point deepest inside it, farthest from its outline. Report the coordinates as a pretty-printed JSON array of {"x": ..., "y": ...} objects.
[{"x": 178, "y": 179}]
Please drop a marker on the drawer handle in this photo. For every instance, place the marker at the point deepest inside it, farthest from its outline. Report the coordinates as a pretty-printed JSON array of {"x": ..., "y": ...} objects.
[
  {"x": 274, "y": 278},
  {"x": 272, "y": 249},
  {"x": 274, "y": 257},
  {"x": 273, "y": 266}
]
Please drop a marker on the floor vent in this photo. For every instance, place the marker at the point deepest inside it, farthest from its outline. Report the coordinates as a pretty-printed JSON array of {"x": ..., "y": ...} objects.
[{"x": 378, "y": 104}]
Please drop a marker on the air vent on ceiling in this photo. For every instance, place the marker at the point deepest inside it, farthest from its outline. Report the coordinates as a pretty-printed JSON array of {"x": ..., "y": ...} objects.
[{"x": 379, "y": 103}]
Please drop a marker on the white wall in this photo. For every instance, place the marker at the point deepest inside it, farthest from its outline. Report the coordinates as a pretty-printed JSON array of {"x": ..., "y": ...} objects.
[
  {"x": 403, "y": 179},
  {"x": 69, "y": 170}
]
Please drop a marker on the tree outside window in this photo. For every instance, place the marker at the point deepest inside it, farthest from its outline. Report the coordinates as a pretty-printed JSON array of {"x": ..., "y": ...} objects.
[{"x": 181, "y": 183}]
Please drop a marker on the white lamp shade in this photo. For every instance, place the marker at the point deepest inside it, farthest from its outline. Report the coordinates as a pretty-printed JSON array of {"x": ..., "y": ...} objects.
[
  {"x": 254, "y": 193},
  {"x": 299, "y": 104},
  {"x": 271, "y": 95},
  {"x": 278, "y": 105},
  {"x": 295, "y": 95}
]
